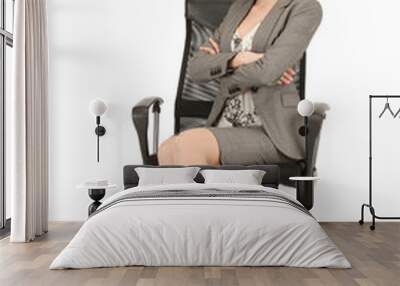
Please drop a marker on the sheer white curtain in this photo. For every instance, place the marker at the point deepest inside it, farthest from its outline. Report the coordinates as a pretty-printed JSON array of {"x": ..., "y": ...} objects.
[{"x": 27, "y": 121}]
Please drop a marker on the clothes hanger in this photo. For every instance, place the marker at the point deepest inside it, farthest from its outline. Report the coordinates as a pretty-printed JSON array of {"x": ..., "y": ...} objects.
[
  {"x": 387, "y": 107},
  {"x": 397, "y": 113}
]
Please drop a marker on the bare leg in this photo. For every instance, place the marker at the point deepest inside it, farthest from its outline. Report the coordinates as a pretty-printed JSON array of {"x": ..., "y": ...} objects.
[
  {"x": 191, "y": 147},
  {"x": 166, "y": 151}
]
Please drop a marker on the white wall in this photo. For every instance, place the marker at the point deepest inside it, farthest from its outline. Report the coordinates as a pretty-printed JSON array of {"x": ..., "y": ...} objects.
[{"x": 124, "y": 50}]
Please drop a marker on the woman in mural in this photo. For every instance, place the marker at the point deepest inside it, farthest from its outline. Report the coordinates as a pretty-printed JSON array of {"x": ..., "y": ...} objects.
[{"x": 253, "y": 54}]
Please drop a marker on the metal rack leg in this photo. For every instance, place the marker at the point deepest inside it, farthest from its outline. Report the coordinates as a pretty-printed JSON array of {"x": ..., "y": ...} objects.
[
  {"x": 361, "y": 221},
  {"x": 372, "y": 210}
]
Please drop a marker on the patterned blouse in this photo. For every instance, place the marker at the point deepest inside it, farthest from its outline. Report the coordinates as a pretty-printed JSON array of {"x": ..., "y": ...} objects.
[{"x": 239, "y": 111}]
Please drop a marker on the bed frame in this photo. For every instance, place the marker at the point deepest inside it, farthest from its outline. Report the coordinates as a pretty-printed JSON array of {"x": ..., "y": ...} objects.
[{"x": 270, "y": 179}]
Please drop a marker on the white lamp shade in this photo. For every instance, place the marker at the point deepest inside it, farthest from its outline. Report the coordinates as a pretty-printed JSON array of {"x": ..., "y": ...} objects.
[
  {"x": 97, "y": 107},
  {"x": 305, "y": 108}
]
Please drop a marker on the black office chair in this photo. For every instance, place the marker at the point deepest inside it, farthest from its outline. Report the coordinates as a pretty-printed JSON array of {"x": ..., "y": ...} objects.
[{"x": 194, "y": 100}]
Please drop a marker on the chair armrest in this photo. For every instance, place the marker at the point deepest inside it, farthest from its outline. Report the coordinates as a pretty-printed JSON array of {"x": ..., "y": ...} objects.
[
  {"x": 320, "y": 108},
  {"x": 147, "y": 102},
  {"x": 140, "y": 118},
  {"x": 314, "y": 114}
]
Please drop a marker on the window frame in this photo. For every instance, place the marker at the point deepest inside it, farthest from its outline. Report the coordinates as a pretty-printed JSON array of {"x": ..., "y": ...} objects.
[{"x": 6, "y": 39}]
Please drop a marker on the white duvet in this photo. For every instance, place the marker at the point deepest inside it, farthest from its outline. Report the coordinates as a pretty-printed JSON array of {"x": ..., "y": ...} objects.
[{"x": 200, "y": 231}]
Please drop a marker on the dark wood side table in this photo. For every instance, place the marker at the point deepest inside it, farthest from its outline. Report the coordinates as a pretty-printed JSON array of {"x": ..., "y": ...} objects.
[{"x": 96, "y": 193}]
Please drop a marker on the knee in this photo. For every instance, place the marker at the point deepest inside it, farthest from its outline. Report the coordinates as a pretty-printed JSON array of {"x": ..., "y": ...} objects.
[
  {"x": 182, "y": 147},
  {"x": 189, "y": 147},
  {"x": 194, "y": 147},
  {"x": 175, "y": 150},
  {"x": 166, "y": 152}
]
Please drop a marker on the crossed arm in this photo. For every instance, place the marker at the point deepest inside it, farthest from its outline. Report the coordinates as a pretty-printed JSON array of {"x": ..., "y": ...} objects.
[
  {"x": 244, "y": 58},
  {"x": 248, "y": 69}
]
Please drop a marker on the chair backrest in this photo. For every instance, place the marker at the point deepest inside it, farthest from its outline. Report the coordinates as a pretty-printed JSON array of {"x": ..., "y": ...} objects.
[{"x": 194, "y": 100}]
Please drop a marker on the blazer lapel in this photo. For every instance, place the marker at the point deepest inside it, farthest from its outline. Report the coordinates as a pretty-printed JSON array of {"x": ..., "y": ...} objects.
[
  {"x": 263, "y": 34},
  {"x": 237, "y": 18}
]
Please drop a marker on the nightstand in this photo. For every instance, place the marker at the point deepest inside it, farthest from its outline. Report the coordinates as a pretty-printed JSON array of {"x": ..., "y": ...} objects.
[
  {"x": 96, "y": 193},
  {"x": 305, "y": 190}
]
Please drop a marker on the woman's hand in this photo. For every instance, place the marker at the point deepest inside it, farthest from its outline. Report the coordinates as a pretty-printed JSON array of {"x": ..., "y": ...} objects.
[
  {"x": 243, "y": 58},
  {"x": 287, "y": 77},
  {"x": 213, "y": 50}
]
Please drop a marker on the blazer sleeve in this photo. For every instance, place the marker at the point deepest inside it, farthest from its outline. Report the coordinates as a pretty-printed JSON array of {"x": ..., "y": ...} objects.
[
  {"x": 205, "y": 67},
  {"x": 284, "y": 53}
]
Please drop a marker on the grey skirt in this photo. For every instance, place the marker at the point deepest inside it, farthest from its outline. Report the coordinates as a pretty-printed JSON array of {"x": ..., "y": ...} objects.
[{"x": 246, "y": 146}]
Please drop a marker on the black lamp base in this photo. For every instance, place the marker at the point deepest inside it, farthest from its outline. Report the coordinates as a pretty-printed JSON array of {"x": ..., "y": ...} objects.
[
  {"x": 100, "y": 130},
  {"x": 96, "y": 195}
]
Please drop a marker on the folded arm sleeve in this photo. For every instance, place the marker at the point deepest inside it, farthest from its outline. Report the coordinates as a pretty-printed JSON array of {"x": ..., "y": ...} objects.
[
  {"x": 283, "y": 54},
  {"x": 205, "y": 67}
]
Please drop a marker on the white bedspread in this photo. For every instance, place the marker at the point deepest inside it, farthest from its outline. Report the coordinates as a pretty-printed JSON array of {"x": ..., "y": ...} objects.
[{"x": 200, "y": 231}]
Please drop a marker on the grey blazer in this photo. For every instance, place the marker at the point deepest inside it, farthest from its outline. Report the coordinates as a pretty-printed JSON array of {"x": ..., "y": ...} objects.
[{"x": 283, "y": 36}]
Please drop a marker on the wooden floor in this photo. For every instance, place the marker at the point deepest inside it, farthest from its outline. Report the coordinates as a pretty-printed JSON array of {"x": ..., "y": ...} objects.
[{"x": 375, "y": 257}]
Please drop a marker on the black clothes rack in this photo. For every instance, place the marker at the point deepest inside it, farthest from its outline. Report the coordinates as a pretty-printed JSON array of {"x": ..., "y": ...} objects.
[{"x": 370, "y": 204}]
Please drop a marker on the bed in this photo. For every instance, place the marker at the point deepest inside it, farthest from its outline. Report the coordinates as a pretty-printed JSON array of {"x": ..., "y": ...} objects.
[{"x": 201, "y": 224}]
